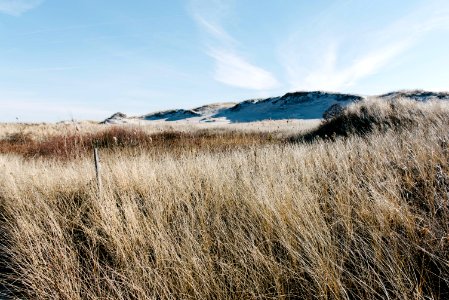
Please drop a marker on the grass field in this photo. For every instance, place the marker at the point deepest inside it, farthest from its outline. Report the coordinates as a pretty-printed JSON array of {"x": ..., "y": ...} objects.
[{"x": 356, "y": 208}]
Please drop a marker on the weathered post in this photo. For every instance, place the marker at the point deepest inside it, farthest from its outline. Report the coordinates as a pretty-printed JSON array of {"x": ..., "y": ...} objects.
[{"x": 97, "y": 170}]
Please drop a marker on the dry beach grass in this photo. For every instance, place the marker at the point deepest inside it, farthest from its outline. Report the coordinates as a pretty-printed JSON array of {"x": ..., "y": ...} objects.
[{"x": 357, "y": 215}]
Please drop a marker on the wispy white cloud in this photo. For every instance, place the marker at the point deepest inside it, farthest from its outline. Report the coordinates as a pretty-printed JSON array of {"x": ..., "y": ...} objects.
[
  {"x": 18, "y": 7},
  {"x": 327, "y": 76},
  {"x": 320, "y": 63},
  {"x": 234, "y": 70},
  {"x": 231, "y": 68},
  {"x": 214, "y": 30}
]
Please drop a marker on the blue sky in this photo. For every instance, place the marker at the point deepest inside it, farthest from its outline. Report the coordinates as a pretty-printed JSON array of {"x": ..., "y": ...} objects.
[{"x": 86, "y": 59}]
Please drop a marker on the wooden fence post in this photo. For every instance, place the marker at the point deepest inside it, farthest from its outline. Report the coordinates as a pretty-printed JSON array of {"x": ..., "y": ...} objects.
[{"x": 97, "y": 170}]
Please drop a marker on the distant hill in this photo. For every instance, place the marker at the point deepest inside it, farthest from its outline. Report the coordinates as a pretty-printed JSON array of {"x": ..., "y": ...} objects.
[
  {"x": 417, "y": 95},
  {"x": 296, "y": 105}
]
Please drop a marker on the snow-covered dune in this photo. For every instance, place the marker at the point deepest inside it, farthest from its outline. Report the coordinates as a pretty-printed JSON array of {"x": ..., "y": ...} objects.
[
  {"x": 299, "y": 105},
  {"x": 296, "y": 105},
  {"x": 416, "y": 95}
]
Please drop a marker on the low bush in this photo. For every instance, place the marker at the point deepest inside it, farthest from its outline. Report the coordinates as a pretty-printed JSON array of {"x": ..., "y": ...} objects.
[{"x": 378, "y": 115}]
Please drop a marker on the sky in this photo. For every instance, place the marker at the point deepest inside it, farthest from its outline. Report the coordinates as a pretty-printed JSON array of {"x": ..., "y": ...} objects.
[{"x": 87, "y": 59}]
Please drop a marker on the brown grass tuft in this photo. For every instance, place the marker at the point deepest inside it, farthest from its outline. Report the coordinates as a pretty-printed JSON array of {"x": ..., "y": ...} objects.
[{"x": 116, "y": 138}]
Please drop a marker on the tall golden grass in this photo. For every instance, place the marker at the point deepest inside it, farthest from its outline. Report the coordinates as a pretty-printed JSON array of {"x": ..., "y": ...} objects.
[{"x": 354, "y": 217}]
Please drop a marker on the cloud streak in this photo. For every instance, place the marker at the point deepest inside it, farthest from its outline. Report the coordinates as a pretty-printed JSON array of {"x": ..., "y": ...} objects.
[
  {"x": 319, "y": 63},
  {"x": 231, "y": 68},
  {"x": 18, "y": 7},
  {"x": 328, "y": 76}
]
